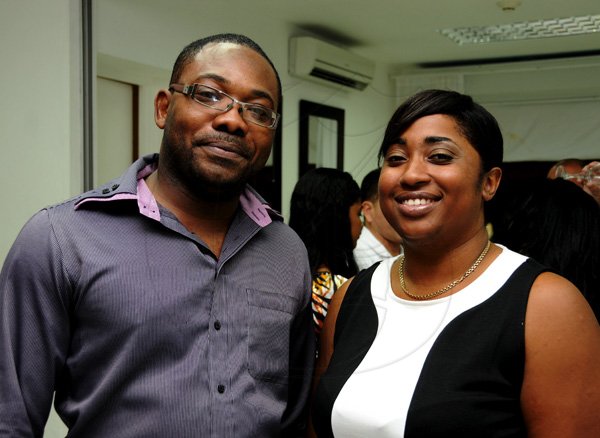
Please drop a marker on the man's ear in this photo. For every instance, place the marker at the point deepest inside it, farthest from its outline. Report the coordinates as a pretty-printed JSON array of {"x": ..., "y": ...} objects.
[
  {"x": 491, "y": 181},
  {"x": 161, "y": 107},
  {"x": 367, "y": 211}
]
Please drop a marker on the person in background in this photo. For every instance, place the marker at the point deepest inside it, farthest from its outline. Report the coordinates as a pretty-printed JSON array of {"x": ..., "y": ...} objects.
[
  {"x": 378, "y": 240},
  {"x": 325, "y": 212},
  {"x": 458, "y": 336},
  {"x": 557, "y": 224},
  {"x": 172, "y": 301},
  {"x": 586, "y": 176},
  {"x": 570, "y": 166},
  {"x": 592, "y": 184}
]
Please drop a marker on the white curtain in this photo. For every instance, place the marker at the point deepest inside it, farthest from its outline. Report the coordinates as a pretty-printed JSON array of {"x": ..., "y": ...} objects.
[{"x": 549, "y": 131}]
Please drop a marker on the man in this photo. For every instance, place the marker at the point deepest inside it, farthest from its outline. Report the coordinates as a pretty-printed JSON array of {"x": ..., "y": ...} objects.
[
  {"x": 378, "y": 240},
  {"x": 171, "y": 302}
]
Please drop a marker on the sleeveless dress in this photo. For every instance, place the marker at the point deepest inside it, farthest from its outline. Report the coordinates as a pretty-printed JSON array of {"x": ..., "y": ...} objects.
[{"x": 452, "y": 366}]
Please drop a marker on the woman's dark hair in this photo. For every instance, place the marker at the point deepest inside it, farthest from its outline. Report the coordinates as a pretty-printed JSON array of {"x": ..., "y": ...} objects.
[
  {"x": 474, "y": 121},
  {"x": 558, "y": 224},
  {"x": 319, "y": 213}
]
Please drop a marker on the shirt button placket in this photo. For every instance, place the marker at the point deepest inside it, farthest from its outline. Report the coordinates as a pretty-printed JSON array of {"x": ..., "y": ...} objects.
[{"x": 218, "y": 349}]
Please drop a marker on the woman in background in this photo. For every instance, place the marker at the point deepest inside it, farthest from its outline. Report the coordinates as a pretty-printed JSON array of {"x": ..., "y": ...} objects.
[
  {"x": 459, "y": 336},
  {"x": 325, "y": 212},
  {"x": 557, "y": 224}
]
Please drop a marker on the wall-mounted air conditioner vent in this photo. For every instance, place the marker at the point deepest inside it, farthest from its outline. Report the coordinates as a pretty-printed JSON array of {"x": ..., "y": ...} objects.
[{"x": 317, "y": 60}]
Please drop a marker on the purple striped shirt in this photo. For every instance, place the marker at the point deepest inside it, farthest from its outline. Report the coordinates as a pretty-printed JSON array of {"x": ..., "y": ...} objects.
[{"x": 110, "y": 301}]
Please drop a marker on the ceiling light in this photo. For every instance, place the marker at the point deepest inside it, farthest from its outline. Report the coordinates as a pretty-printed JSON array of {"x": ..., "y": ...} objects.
[
  {"x": 508, "y": 5},
  {"x": 525, "y": 30}
]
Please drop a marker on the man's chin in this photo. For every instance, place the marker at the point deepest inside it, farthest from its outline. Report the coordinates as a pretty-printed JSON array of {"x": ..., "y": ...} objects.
[
  {"x": 218, "y": 188},
  {"x": 220, "y": 193}
]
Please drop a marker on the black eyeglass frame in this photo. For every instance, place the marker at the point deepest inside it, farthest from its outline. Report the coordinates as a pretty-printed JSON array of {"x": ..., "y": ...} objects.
[{"x": 190, "y": 90}]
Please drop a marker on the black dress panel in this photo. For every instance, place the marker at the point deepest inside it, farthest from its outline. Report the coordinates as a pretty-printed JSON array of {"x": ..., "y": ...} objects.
[{"x": 471, "y": 381}]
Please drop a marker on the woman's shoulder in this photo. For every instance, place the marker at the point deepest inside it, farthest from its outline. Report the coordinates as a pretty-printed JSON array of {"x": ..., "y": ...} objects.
[
  {"x": 562, "y": 343},
  {"x": 559, "y": 312},
  {"x": 553, "y": 293}
]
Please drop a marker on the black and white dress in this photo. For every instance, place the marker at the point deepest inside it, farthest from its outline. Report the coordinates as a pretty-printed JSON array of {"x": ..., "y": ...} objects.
[{"x": 451, "y": 366}]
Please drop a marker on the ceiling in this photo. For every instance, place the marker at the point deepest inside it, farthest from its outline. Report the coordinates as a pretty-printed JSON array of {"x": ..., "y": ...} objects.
[{"x": 401, "y": 32}]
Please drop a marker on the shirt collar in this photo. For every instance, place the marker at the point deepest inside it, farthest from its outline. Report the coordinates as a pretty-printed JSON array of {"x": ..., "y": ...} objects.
[{"x": 132, "y": 186}]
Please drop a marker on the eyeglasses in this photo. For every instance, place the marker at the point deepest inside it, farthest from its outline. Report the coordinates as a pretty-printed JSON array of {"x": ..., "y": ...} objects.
[{"x": 216, "y": 99}]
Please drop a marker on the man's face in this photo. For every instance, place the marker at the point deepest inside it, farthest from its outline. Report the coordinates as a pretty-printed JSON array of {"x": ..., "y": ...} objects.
[{"x": 212, "y": 153}]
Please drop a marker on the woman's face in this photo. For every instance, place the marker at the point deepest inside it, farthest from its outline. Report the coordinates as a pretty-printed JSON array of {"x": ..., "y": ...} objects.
[
  {"x": 430, "y": 185},
  {"x": 355, "y": 222}
]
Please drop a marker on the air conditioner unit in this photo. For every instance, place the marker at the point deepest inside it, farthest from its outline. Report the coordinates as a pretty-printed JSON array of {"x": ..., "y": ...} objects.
[{"x": 317, "y": 60}]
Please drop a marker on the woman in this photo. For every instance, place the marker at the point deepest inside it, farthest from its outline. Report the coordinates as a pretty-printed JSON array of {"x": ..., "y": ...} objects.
[
  {"x": 458, "y": 337},
  {"x": 325, "y": 212},
  {"x": 557, "y": 224}
]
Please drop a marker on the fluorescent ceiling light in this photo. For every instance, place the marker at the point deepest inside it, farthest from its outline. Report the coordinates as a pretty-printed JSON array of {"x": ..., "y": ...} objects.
[{"x": 525, "y": 30}]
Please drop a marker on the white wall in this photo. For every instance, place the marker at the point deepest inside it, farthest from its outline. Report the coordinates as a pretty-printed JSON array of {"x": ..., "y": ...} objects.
[
  {"x": 115, "y": 128},
  {"x": 149, "y": 80},
  {"x": 547, "y": 109}
]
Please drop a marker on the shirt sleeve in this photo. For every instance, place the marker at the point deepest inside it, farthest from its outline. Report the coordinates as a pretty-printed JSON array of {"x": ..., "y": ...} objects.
[
  {"x": 35, "y": 327},
  {"x": 302, "y": 357}
]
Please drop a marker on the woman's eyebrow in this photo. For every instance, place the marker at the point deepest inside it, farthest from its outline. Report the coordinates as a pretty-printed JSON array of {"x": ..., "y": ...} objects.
[{"x": 432, "y": 139}]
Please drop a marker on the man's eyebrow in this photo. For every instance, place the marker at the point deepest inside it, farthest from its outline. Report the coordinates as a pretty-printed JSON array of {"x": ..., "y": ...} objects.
[
  {"x": 215, "y": 77},
  {"x": 221, "y": 80},
  {"x": 264, "y": 95}
]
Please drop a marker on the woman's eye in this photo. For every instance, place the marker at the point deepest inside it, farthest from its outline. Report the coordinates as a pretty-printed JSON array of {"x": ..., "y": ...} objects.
[
  {"x": 440, "y": 157},
  {"x": 394, "y": 159}
]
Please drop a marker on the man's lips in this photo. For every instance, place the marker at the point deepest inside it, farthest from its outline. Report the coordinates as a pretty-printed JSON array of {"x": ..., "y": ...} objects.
[{"x": 224, "y": 147}]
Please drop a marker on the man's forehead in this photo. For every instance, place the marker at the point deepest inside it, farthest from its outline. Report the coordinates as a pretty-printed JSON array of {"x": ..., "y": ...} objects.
[
  {"x": 227, "y": 52},
  {"x": 222, "y": 46},
  {"x": 218, "y": 58}
]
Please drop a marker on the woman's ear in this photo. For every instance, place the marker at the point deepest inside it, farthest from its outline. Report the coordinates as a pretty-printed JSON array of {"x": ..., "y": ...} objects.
[
  {"x": 491, "y": 181},
  {"x": 161, "y": 107}
]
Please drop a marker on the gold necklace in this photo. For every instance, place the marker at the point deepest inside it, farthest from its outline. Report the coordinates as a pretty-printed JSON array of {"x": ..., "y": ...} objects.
[{"x": 446, "y": 288}]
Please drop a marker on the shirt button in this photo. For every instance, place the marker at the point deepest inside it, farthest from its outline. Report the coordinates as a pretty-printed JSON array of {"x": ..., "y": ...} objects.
[
  {"x": 217, "y": 325},
  {"x": 221, "y": 389}
]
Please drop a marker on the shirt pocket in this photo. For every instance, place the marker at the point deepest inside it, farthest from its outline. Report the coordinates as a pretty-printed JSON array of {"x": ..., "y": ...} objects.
[{"x": 269, "y": 323}]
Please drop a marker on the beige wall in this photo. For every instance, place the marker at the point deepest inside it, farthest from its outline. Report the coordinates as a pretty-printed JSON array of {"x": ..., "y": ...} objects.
[
  {"x": 40, "y": 115},
  {"x": 40, "y": 139}
]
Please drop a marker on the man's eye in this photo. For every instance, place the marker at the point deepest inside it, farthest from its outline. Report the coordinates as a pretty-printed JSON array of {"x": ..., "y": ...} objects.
[
  {"x": 259, "y": 112},
  {"x": 207, "y": 96}
]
